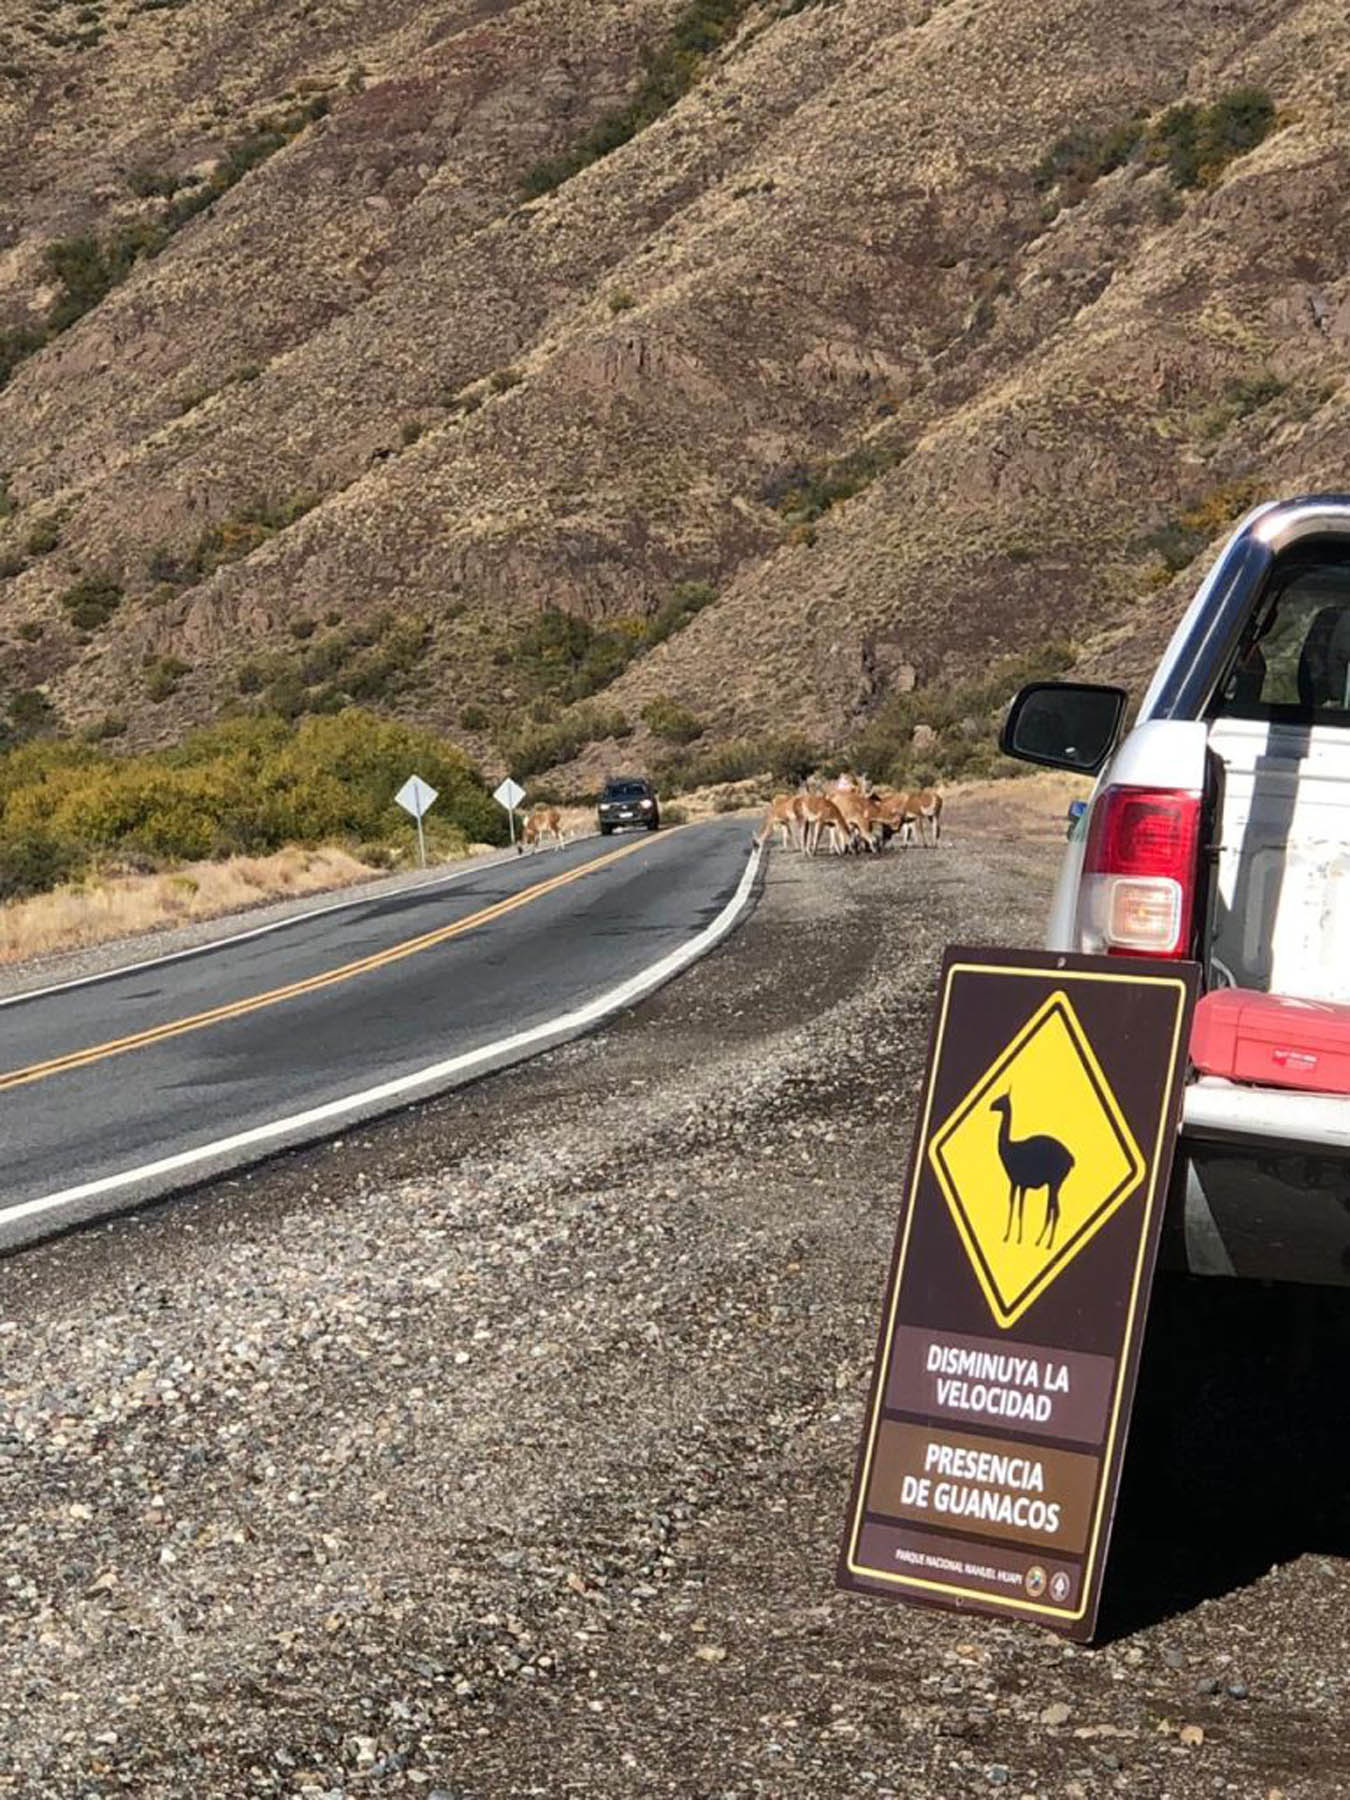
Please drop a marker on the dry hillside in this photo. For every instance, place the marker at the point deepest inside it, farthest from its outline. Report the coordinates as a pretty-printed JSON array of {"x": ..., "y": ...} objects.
[{"x": 310, "y": 398}]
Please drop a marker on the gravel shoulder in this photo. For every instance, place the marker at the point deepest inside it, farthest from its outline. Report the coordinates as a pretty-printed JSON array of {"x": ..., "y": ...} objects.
[{"x": 503, "y": 1449}]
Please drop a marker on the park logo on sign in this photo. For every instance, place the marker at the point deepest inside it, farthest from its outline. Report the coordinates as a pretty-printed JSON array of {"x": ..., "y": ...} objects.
[{"x": 1035, "y": 1159}]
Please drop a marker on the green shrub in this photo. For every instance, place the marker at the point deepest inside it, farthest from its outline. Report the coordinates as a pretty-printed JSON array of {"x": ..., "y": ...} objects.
[
  {"x": 787, "y": 758},
  {"x": 1238, "y": 399},
  {"x": 668, "y": 719},
  {"x": 502, "y": 379},
  {"x": 88, "y": 267},
  {"x": 1179, "y": 540},
  {"x": 148, "y": 183},
  {"x": 474, "y": 717},
  {"x": 410, "y": 431},
  {"x": 29, "y": 712},
  {"x": 10, "y": 566},
  {"x": 963, "y": 715},
  {"x": 541, "y": 747},
  {"x": 621, "y": 301},
  {"x": 111, "y": 725},
  {"x": 246, "y": 785},
  {"x": 162, "y": 676},
  {"x": 1194, "y": 143},
  {"x": 1075, "y": 161},
  {"x": 383, "y": 667},
  {"x": 802, "y": 493},
  {"x": 561, "y": 656},
  {"x": 16, "y": 343},
  {"x": 33, "y": 860},
  {"x": 253, "y": 675},
  {"x": 90, "y": 603},
  {"x": 367, "y": 660},
  {"x": 324, "y": 658},
  {"x": 241, "y": 534},
  {"x": 1236, "y": 123},
  {"x": 1197, "y": 143},
  {"x": 699, "y": 29},
  {"x": 287, "y": 695},
  {"x": 43, "y": 538},
  {"x": 30, "y": 630},
  {"x": 163, "y": 565},
  {"x": 687, "y": 599}
]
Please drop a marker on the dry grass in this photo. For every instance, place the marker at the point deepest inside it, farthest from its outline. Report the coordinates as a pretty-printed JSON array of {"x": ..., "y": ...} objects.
[
  {"x": 1027, "y": 809},
  {"x": 120, "y": 905}
]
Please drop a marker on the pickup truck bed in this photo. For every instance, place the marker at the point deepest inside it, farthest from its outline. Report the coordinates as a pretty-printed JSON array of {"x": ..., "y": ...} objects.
[{"x": 1245, "y": 733}]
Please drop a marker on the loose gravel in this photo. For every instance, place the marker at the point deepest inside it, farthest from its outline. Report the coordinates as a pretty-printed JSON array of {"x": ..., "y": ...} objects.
[{"x": 503, "y": 1449}]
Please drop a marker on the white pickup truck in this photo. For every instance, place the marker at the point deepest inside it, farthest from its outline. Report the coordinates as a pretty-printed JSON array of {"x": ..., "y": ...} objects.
[{"x": 1219, "y": 829}]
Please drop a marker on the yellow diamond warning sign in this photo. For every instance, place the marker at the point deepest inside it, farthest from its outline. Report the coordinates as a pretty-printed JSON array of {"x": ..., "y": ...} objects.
[{"x": 1035, "y": 1159}]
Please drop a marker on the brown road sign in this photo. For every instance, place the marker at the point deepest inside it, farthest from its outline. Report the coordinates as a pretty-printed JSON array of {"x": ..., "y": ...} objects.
[{"x": 1014, "y": 1314}]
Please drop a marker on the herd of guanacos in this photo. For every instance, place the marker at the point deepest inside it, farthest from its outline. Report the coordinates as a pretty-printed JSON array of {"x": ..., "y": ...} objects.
[{"x": 853, "y": 816}]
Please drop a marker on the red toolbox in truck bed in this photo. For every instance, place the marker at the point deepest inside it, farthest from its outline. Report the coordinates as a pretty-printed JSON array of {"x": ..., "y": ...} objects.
[{"x": 1273, "y": 1039}]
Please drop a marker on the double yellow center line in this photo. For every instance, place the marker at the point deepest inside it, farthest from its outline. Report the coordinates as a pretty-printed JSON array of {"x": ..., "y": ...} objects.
[{"x": 236, "y": 1009}]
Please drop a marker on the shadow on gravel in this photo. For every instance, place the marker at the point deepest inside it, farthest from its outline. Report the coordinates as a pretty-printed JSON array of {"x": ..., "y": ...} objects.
[{"x": 1237, "y": 1457}]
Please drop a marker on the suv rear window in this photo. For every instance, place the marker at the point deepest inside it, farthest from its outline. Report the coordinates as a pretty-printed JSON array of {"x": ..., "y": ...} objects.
[
  {"x": 1296, "y": 664},
  {"x": 626, "y": 790}
]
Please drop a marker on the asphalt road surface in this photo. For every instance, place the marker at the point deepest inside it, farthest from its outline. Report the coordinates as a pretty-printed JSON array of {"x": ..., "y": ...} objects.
[{"x": 156, "y": 1062}]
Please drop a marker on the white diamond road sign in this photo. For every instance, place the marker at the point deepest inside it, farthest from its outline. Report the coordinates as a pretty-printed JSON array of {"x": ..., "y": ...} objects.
[
  {"x": 509, "y": 794},
  {"x": 416, "y": 797}
]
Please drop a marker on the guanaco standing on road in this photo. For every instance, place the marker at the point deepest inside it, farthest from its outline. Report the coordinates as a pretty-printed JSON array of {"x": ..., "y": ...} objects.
[
  {"x": 783, "y": 816},
  {"x": 544, "y": 821},
  {"x": 819, "y": 813}
]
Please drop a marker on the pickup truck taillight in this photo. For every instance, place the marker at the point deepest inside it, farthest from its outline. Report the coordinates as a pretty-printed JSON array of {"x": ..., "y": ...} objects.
[{"x": 1139, "y": 872}]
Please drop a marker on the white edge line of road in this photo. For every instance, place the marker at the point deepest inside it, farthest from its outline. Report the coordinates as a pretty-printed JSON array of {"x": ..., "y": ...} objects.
[
  {"x": 155, "y": 1179},
  {"x": 476, "y": 866}
]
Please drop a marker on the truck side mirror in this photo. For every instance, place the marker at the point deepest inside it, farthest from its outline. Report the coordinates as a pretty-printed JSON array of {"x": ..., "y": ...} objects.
[{"x": 1063, "y": 725}]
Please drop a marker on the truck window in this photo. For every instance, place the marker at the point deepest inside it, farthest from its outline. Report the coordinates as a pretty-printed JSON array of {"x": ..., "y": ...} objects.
[{"x": 1296, "y": 665}]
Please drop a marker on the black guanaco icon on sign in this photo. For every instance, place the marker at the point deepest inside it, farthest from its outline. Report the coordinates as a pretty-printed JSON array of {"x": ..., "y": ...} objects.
[{"x": 1030, "y": 1163}]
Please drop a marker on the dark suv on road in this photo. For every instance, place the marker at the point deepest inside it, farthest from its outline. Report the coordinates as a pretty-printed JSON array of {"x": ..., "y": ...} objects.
[{"x": 628, "y": 800}]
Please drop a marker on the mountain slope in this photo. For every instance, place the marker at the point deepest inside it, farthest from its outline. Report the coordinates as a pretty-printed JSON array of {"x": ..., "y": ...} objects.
[{"x": 373, "y": 383}]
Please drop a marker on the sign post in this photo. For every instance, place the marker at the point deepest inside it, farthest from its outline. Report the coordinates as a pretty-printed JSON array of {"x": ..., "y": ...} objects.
[
  {"x": 417, "y": 797},
  {"x": 509, "y": 794},
  {"x": 1019, "y": 1285}
]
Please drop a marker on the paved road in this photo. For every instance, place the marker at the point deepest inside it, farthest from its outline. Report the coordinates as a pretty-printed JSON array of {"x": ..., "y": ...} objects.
[{"x": 156, "y": 1063}]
